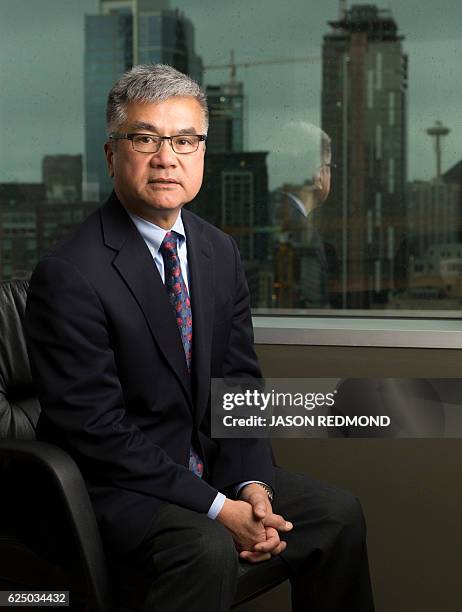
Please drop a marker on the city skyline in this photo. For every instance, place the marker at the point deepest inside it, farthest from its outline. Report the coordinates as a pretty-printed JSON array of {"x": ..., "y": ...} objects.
[{"x": 57, "y": 118}]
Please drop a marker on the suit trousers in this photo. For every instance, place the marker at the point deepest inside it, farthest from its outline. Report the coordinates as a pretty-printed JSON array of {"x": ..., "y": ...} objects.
[{"x": 188, "y": 562}]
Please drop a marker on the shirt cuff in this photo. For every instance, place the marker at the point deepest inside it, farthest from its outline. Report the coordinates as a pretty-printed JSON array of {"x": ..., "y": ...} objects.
[
  {"x": 216, "y": 506},
  {"x": 246, "y": 482}
]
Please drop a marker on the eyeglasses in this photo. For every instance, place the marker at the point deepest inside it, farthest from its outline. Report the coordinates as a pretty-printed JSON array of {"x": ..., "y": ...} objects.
[{"x": 148, "y": 143}]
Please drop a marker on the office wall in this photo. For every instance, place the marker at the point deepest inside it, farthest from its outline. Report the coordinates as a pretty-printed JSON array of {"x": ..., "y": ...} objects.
[{"x": 410, "y": 489}]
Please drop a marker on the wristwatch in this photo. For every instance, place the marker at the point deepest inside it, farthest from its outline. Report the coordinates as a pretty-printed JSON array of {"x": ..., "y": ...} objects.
[{"x": 269, "y": 490}]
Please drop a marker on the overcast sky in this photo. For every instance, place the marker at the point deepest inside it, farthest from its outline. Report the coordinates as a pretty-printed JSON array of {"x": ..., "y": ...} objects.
[{"x": 41, "y": 67}]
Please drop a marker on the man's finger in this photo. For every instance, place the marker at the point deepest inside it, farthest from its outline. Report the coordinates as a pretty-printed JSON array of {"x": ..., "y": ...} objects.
[
  {"x": 259, "y": 510},
  {"x": 268, "y": 545},
  {"x": 278, "y": 522},
  {"x": 279, "y": 548},
  {"x": 254, "y": 557},
  {"x": 259, "y": 504},
  {"x": 271, "y": 542}
]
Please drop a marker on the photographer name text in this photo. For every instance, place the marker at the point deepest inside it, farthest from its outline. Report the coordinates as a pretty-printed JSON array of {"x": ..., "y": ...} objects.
[{"x": 331, "y": 420}]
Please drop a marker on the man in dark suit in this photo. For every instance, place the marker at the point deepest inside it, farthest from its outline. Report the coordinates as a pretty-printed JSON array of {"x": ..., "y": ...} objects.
[
  {"x": 297, "y": 209},
  {"x": 127, "y": 321}
]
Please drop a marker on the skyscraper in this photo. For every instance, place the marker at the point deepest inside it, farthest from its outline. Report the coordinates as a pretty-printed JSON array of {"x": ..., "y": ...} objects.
[
  {"x": 226, "y": 108},
  {"x": 364, "y": 82},
  {"x": 123, "y": 34},
  {"x": 433, "y": 214},
  {"x": 454, "y": 175},
  {"x": 234, "y": 197}
]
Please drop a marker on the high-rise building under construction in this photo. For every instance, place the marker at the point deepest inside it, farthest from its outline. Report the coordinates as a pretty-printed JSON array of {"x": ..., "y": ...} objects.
[{"x": 364, "y": 82}]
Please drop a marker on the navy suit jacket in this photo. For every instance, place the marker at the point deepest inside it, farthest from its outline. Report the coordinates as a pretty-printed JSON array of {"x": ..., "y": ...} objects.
[{"x": 109, "y": 365}]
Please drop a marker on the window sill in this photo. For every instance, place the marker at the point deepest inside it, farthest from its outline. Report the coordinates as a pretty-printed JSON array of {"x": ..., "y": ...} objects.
[{"x": 364, "y": 331}]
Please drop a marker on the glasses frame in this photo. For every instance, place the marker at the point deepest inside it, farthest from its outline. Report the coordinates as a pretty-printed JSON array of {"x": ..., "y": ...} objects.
[{"x": 131, "y": 135}]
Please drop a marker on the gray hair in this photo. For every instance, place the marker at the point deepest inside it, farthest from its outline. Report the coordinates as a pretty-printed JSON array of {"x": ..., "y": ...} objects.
[{"x": 150, "y": 83}]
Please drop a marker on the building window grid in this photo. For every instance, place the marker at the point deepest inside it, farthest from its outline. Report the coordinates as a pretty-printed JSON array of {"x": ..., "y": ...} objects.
[{"x": 237, "y": 208}]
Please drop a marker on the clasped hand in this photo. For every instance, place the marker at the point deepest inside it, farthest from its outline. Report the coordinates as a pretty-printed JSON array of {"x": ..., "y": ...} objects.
[{"x": 253, "y": 525}]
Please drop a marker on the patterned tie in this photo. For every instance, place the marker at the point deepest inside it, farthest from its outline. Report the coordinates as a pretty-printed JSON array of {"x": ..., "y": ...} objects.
[{"x": 180, "y": 302}]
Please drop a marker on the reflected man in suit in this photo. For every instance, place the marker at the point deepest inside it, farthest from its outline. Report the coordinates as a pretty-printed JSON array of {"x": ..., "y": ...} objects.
[
  {"x": 296, "y": 206},
  {"x": 128, "y": 319}
]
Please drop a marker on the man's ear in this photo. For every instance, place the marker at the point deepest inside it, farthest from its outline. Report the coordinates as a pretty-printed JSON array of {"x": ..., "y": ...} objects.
[
  {"x": 109, "y": 153},
  {"x": 322, "y": 183},
  {"x": 318, "y": 179}
]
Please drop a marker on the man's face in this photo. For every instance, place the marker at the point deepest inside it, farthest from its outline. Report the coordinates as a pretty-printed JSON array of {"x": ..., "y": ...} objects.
[
  {"x": 324, "y": 180},
  {"x": 156, "y": 185}
]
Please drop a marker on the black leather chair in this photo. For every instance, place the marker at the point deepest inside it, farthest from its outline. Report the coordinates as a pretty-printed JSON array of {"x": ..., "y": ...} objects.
[{"x": 49, "y": 537}]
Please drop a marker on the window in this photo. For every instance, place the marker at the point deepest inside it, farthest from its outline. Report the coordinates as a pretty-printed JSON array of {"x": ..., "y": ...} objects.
[{"x": 360, "y": 228}]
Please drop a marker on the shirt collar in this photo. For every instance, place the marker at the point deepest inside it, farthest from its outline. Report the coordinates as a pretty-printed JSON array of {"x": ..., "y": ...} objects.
[
  {"x": 296, "y": 202},
  {"x": 153, "y": 235}
]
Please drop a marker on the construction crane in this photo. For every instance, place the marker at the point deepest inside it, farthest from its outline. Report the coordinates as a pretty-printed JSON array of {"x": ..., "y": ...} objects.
[{"x": 233, "y": 65}]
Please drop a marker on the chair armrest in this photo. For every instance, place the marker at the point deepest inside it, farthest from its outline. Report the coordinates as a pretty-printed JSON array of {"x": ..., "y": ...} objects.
[{"x": 66, "y": 477}]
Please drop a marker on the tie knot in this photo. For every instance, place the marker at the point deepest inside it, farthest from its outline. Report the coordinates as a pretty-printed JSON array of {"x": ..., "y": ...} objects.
[{"x": 169, "y": 243}]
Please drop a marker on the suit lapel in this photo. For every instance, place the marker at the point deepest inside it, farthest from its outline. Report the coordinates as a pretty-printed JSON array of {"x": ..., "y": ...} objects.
[
  {"x": 135, "y": 265},
  {"x": 200, "y": 263}
]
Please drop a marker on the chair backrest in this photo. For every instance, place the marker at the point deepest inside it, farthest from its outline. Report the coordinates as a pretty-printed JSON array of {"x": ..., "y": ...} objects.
[{"x": 19, "y": 406}]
